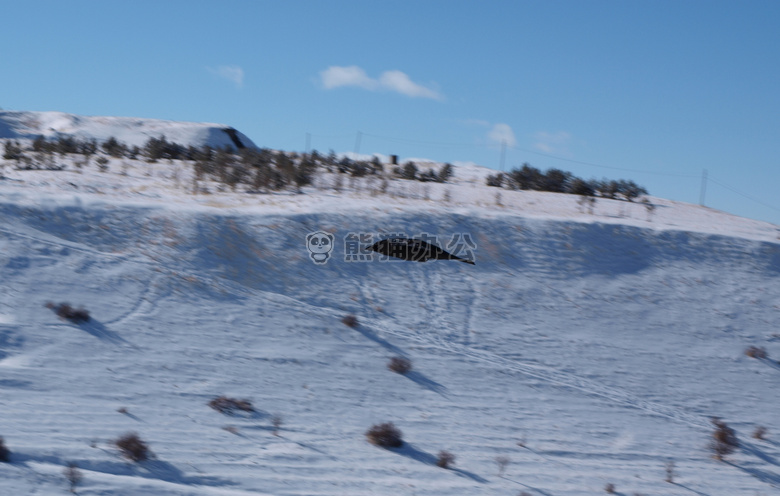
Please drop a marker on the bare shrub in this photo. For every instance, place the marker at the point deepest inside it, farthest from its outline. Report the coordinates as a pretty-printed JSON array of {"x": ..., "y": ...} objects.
[
  {"x": 73, "y": 475},
  {"x": 102, "y": 163},
  {"x": 350, "y": 321},
  {"x": 67, "y": 312},
  {"x": 760, "y": 433},
  {"x": 445, "y": 459},
  {"x": 400, "y": 365},
  {"x": 133, "y": 447},
  {"x": 385, "y": 435},
  {"x": 229, "y": 406},
  {"x": 5, "y": 453},
  {"x": 756, "y": 352},
  {"x": 670, "y": 472},
  {"x": 724, "y": 439},
  {"x": 277, "y": 422},
  {"x": 502, "y": 462},
  {"x": 610, "y": 488}
]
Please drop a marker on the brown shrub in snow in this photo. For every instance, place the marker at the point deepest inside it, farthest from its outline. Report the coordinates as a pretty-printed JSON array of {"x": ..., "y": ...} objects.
[
  {"x": 67, "y": 312},
  {"x": 385, "y": 435},
  {"x": 132, "y": 447},
  {"x": 445, "y": 459},
  {"x": 756, "y": 352},
  {"x": 228, "y": 406},
  {"x": 400, "y": 365},
  {"x": 350, "y": 321}
]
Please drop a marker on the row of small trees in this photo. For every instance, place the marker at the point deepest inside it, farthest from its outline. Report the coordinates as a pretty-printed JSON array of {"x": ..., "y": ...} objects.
[
  {"x": 270, "y": 170},
  {"x": 259, "y": 169},
  {"x": 153, "y": 150},
  {"x": 558, "y": 181}
]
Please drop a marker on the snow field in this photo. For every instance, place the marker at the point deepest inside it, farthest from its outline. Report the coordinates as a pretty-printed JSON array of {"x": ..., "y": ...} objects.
[{"x": 602, "y": 343}]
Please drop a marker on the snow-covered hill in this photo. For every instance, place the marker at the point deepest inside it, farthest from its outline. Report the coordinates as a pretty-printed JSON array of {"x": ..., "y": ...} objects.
[
  {"x": 586, "y": 348},
  {"x": 130, "y": 130}
]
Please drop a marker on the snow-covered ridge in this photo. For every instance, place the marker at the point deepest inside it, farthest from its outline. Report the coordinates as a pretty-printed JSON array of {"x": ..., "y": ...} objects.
[
  {"x": 589, "y": 345},
  {"x": 169, "y": 184},
  {"x": 586, "y": 353},
  {"x": 129, "y": 130}
]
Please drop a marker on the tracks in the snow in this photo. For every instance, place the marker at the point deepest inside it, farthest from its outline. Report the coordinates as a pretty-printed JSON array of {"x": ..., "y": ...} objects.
[{"x": 384, "y": 326}]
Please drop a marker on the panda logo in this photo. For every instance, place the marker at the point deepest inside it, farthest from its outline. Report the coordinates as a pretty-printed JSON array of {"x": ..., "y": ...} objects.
[{"x": 320, "y": 246}]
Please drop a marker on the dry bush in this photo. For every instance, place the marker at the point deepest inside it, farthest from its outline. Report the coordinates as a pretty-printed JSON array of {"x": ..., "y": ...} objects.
[
  {"x": 350, "y": 321},
  {"x": 228, "y": 406},
  {"x": 400, "y": 365},
  {"x": 760, "y": 433},
  {"x": 133, "y": 447},
  {"x": 276, "y": 422},
  {"x": 73, "y": 475},
  {"x": 67, "y": 312},
  {"x": 756, "y": 352},
  {"x": 724, "y": 439},
  {"x": 670, "y": 472},
  {"x": 5, "y": 453},
  {"x": 445, "y": 459},
  {"x": 502, "y": 462},
  {"x": 385, "y": 435},
  {"x": 610, "y": 488}
]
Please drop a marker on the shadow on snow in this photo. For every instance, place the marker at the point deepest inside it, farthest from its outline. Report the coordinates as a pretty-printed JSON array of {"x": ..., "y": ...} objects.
[{"x": 410, "y": 451}]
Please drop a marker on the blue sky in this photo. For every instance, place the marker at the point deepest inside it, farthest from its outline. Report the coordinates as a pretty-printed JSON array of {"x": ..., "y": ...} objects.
[{"x": 653, "y": 91}]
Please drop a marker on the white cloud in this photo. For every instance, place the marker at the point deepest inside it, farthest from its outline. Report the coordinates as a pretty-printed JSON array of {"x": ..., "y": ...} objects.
[
  {"x": 232, "y": 73},
  {"x": 335, "y": 77},
  {"x": 502, "y": 134},
  {"x": 401, "y": 83},
  {"x": 552, "y": 142},
  {"x": 395, "y": 81}
]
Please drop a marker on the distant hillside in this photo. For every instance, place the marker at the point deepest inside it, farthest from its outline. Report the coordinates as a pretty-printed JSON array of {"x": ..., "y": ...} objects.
[
  {"x": 587, "y": 352},
  {"x": 129, "y": 130},
  {"x": 588, "y": 348}
]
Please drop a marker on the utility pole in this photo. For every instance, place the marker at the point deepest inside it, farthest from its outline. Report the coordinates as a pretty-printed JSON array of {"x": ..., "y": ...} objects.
[
  {"x": 703, "y": 193},
  {"x": 503, "y": 154},
  {"x": 308, "y": 142},
  {"x": 357, "y": 142}
]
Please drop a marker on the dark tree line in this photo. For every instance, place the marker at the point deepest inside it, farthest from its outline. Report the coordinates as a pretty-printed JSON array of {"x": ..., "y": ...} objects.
[
  {"x": 558, "y": 181},
  {"x": 263, "y": 169},
  {"x": 411, "y": 172},
  {"x": 258, "y": 169}
]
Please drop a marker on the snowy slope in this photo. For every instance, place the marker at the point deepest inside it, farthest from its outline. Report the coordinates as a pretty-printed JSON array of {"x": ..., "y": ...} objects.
[
  {"x": 587, "y": 348},
  {"x": 129, "y": 130}
]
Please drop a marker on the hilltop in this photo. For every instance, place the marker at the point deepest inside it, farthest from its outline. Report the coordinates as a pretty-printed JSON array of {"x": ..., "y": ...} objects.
[
  {"x": 587, "y": 347},
  {"x": 129, "y": 130}
]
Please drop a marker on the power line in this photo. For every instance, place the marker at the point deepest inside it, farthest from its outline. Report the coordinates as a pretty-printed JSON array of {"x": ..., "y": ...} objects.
[
  {"x": 703, "y": 187},
  {"x": 357, "y": 142},
  {"x": 421, "y": 142},
  {"x": 600, "y": 166},
  {"x": 744, "y": 195},
  {"x": 525, "y": 150},
  {"x": 705, "y": 177}
]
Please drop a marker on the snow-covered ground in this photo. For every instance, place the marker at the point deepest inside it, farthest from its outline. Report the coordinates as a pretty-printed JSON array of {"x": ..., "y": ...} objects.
[
  {"x": 586, "y": 348},
  {"x": 132, "y": 131}
]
